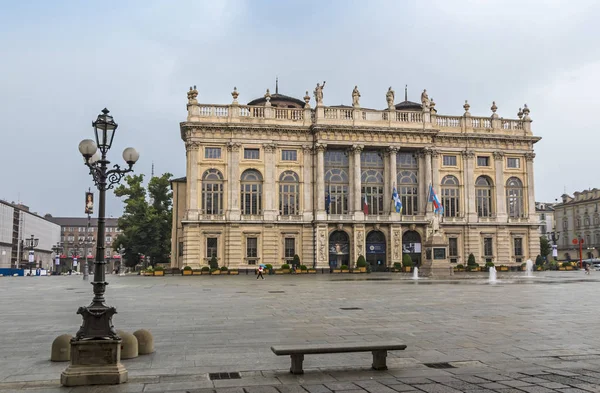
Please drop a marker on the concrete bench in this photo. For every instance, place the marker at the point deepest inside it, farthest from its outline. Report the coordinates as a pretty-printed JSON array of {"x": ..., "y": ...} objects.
[{"x": 297, "y": 352}]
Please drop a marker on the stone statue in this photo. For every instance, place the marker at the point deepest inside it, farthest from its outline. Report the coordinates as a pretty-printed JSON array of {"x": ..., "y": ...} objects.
[
  {"x": 322, "y": 255},
  {"x": 425, "y": 99},
  {"x": 355, "y": 97},
  {"x": 319, "y": 93},
  {"x": 389, "y": 96}
]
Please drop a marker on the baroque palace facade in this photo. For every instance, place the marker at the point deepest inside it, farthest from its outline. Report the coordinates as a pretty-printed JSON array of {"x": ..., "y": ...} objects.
[{"x": 276, "y": 177}]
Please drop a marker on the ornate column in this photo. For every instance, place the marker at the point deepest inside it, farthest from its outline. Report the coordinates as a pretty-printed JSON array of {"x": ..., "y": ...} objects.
[
  {"x": 192, "y": 180},
  {"x": 421, "y": 186},
  {"x": 435, "y": 170},
  {"x": 356, "y": 184},
  {"x": 321, "y": 147},
  {"x": 469, "y": 185},
  {"x": 269, "y": 192},
  {"x": 428, "y": 180},
  {"x": 530, "y": 186},
  {"x": 501, "y": 214},
  {"x": 307, "y": 190},
  {"x": 387, "y": 185},
  {"x": 233, "y": 181},
  {"x": 393, "y": 173}
]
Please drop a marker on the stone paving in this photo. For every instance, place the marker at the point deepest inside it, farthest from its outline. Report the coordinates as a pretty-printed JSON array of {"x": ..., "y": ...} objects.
[{"x": 518, "y": 335}]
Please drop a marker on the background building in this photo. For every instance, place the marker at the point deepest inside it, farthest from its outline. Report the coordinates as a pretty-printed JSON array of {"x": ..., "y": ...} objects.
[
  {"x": 275, "y": 178},
  {"x": 17, "y": 224},
  {"x": 78, "y": 235},
  {"x": 545, "y": 212},
  {"x": 578, "y": 217}
]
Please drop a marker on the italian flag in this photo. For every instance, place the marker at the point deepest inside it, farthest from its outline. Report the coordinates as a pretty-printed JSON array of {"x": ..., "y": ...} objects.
[{"x": 365, "y": 205}]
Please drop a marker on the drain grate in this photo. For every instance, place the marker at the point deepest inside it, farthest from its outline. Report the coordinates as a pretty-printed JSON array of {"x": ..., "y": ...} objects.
[
  {"x": 439, "y": 365},
  {"x": 350, "y": 308},
  {"x": 217, "y": 376},
  {"x": 276, "y": 291}
]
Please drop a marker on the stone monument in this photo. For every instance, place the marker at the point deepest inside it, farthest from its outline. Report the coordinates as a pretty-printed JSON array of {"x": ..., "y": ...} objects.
[{"x": 436, "y": 262}]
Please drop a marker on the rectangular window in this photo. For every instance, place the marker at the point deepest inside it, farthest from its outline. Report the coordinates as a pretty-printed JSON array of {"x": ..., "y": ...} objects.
[
  {"x": 543, "y": 217},
  {"x": 212, "y": 152},
  {"x": 290, "y": 248},
  {"x": 108, "y": 239},
  {"x": 289, "y": 155},
  {"x": 513, "y": 162},
  {"x": 251, "y": 154},
  {"x": 449, "y": 160},
  {"x": 565, "y": 225},
  {"x": 483, "y": 161},
  {"x": 211, "y": 247},
  {"x": 251, "y": 247},
  {"x": 180, "y": 249},
  {"x": 488, "y": 250},
  {"x": 90, "y": 229},
  {"x": 453, "y": 249},
  {"x": 518, "y": 246}
]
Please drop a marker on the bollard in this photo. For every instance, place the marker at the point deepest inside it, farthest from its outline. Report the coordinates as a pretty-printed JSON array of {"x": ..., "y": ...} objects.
[
  {"x": 129, "y": 345},
  {"x": 145, "y": 341},
  {"x": 61, "y": 348}
]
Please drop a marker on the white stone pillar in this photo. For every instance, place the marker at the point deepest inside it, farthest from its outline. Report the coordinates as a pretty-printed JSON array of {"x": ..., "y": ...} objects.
[
  {"x": 393, "y": 173},
  {"x": 468, "y": 157},
  {"x": 192, "y": 180},
  {"x": 421, "y": 186},
  {"x": 435, "y": 170},
  {"x": 530, "y": 187},
  {"x": 387, "y": 185},
  {"x": 501, "y": 213},
  {"x": 270, "y": 193},
  {"x": 358, "y": 211},
  {"x": 351, "y": 207},
  {"x": 307, "y": 190},
  {"x": 233, "y": 182},
  {"x": 321, "y": 214},
  {"x": 428, "y": 181}
]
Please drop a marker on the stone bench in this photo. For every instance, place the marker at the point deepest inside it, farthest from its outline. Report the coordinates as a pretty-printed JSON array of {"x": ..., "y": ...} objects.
[{"x": 297, "y": 352}]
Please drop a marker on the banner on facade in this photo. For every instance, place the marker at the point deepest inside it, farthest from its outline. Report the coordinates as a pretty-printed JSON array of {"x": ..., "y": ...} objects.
[
  {"x": 554, "y": 251},
  {"x": 89, "y": 203},
  {"x": 31, "y": 256},
  {"x": 57, "y": 261},
  {"x": 411, "y": 248}
]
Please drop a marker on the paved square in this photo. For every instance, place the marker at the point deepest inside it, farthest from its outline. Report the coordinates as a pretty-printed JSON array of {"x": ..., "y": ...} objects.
[{"x": 519, "y": 334}]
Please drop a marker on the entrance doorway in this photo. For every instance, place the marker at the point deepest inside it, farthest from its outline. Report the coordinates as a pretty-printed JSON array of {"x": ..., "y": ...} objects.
[
  {"x": 376, "y": 256},
  {"x": 411, "y": 245},
  {"x": 339, "y": 249}
]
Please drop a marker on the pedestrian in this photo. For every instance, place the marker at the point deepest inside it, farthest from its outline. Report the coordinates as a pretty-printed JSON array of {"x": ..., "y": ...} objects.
[
  {"x": 260, "y": 272},
  {"x": 587, "y": 268}
]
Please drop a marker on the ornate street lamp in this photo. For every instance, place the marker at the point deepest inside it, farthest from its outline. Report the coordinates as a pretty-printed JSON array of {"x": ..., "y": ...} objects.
[
  {"x": 31, "y": 243},
  {"x": 555, "y": 236},
  {"x": 97, "y": 317},
  {"x": 121, "y": 250},
  {"x": 57, "y": 248},
  {"x": 97, "y": 336},
  {"x": 75, "y": 248}
]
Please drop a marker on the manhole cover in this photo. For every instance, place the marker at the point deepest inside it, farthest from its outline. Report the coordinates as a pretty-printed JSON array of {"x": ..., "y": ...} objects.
[
  {"x": 439, "y": 365},
  {"x": 276, "y": 291},
  {"x": 216, "y": 376},
  {"x": 350, "y": 308},
  {"x": 69, "y": 289}
]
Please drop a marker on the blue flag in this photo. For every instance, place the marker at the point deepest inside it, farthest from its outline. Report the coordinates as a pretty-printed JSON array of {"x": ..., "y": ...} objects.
[
  {"x": 327, "y": 202},
  {"x": 397, "y": 200}
]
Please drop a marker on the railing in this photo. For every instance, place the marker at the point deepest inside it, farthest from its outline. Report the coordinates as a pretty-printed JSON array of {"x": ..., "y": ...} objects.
[
  {"x": 481, "y": 122},
  {"x": 409, "y": 117},
  {"x": 512, "y": 125},
  {"x": 448, "y": 121},
  {"x": 331, "y": 113},
  {"x": 289, "y": 218},
  {"x": 373, "y": 115}
]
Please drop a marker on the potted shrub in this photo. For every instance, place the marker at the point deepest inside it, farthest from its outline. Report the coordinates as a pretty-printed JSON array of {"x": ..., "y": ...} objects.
[
  {"x": 213, "y": 263},
  {"x": 296, "y": 261},
  {"x": 285, "y": 268},
  {"x": 407, "y": 263},
  {"x": 344, "y": 268},
  {"x": 215, "y": 271},
  {"x": 269, "y": 268},
  {"x": 472, "y": 266},
  {"x": 361, "y": 264},
  {"x": 205, "y": 270},
  {"x": 568, "y": 265},
  {"x": 159, "y": 271},
  {"x": 503, "y": 268},
  {"x": 187, "y": 271},
  {"x": 149, "y": 271},
  {"x": 488, "y": 265},
  {"x": 460, "y": 268},
  {"x": 312, "y": 270},
  {"x": 397, "y": 267},
  {"x": 523, "y": 266},
  {"x": 233, "y": 272},
  {"x": 303, "y": 269},
  {"x": 224, "y": 270}
]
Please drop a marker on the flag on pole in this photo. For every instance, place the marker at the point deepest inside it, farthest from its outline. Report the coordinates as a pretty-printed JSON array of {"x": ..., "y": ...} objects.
[
  {"x": 433, "y": 198},
  {"x": 397, "y": 200},
  {"x": 365, "y": 205},
  {"x": 327, "y": 202}
]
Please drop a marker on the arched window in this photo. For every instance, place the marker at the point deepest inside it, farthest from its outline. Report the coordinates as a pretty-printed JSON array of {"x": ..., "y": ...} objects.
[
  {"x": 371, "y": 179},
  {"x": 450, "y": 196},
  {"x": 514, "y": 197},
  {"x": 337, "y": 182},
  {"x": 251, "y": 183},
  {"x": 289, "y": 189},
  {"x": 212, "y": 192},
  {"x": 407, "y": 174},
  {"x": 483, "y": 190}
]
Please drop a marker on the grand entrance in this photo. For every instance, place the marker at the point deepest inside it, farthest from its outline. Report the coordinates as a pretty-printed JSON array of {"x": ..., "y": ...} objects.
[
  {"x": 411, "y": 245},
  {"x": 339, "y": 249},
  {"x": 376, "y": 251}
]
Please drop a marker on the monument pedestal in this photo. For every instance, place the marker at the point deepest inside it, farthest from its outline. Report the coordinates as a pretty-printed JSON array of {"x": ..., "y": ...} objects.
[
  {"x": 94, "y": 362},
  {"x": 436, "y": 261}
]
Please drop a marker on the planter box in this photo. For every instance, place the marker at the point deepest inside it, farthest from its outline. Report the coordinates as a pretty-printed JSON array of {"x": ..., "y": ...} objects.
[
  {"x": 278, "y": 271},
  {"x": 285, "y": 271},
  {"x": 215, "y": 273},
  {"x": 474, "y": 269},
  {"x": 346, "y": 271},
  {"x": 407, "y": 269},
  {"x": 337, "y": 270},
  {"x": 233, "y": 272},
  {"x": 362, "y": 269},
  {"x": 569, "y": 267},
  {"x": 225, "y": 272},
  {"x": 302, "y": 271},
  {"x": 197, "y": 273},
  {"x": 186, "y": 272},
  {"x": 561, "y": 268},
  {"x": 456, "y": 269},
  {"x": 503, "y": 268},
  {"x": 312, "y": 271},
  {"x": 159, "y": 273}
]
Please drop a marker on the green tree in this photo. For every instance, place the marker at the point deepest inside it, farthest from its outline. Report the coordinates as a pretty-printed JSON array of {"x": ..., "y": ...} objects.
[
  {"x": 545, "y": 247},
  {"x": 145, "y": 225},
  {"x": 407, "y": 261},
  {"x": 471, "y": 260}
]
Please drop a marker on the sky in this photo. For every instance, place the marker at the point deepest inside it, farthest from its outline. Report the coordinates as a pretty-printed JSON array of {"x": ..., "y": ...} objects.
[{"x": 62, "y": 62}]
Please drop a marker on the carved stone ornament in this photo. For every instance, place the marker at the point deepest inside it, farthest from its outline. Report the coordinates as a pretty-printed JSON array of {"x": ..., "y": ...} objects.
[
  {"x": 435, "y": 153},
  {"x": 307, "y": 149},
  {"x": 319, "y": 93},
  {"x": 340, "y": 226},
  {"x": 307, "y": 100},
  {"x": 192, "y": 145},
  {"x": 397, "y": 242},
  {"x": 357, "y": 149},
  {"x": 359, "y": 243},
  {"x": 425, "y": 99},
  {"x": 426, "y": 151},
  {"x": 234, "y": 146},
  {"x": 432, "y": 106},
  {"x": 389, "y": 97},
  {"x": 520, "y": 113},
  {"x": 526, "y": 113},
  {"x": 322, "y": 240},
  {"x": 356, "y": 97},
  {"x": 529, "y": 156},
  {"x": 320, "y": 147},
  {"x": 235, "y": 95},
  {"x": 467, "y": 107},
  {"x": 468, "y": 153},
  {"x": 269, "y": 147},
  {"x": 498, "y": 155},
  {"x": 268, "y": 98},
  {"x": 192, "y": 94},
  {"x": 393, "y": 149}
]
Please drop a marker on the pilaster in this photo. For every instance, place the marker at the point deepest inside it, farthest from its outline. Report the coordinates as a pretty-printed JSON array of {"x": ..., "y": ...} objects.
[
  {"x": 500, "y": 188},
  {"x": 393, "y": 173},
  {"x": 396, "y": 244},
  {"x": 356, "y": 185},
  {"x": 359, "y": 242},
  {"x": 270, "y": 199},
  {"x": 322, "y": 246},
  {"x": 428, "y": 180},
  {"x": 320, "y": 148},
  {"x": 233, "y": 191},
  {"x": 468, "y": 157},
  {"x": 192, "y": 180},
  {"x": 530, "y": 187},
  {"x": 308, "y": 191}
]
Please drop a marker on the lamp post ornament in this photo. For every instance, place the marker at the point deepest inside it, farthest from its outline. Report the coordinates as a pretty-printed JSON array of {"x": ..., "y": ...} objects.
[{"x": 97, "y": 317}]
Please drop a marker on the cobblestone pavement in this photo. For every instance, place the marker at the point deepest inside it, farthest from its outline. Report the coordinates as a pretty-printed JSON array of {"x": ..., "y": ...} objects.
[{"x": 518, "y": 335}]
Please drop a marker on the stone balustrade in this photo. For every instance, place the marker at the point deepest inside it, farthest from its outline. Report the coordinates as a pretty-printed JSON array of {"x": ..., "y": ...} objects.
[{"x": 342, "y": 116}]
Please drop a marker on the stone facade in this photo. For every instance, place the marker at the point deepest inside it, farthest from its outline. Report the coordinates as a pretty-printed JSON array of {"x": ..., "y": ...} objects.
[
  {"x": 545, "y": 212},
  {"x": 264, "y": 183},
  {"x": 576, "y": 217}
]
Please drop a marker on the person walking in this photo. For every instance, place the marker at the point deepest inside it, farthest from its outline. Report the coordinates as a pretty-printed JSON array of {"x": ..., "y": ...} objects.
[{"x": 260, "y": 272}]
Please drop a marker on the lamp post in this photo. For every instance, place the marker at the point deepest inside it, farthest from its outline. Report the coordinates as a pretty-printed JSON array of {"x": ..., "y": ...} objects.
[
  {"x": 75, "y": 248},
  {"x": 555, "y": 236},
  {"x": 57, "y": 248},
  {"x": 121, "y": 250},
  {"x": 31, "y": 243},
  {"x": 97, "y": 317},
  {"x": 579, "y": 241}
]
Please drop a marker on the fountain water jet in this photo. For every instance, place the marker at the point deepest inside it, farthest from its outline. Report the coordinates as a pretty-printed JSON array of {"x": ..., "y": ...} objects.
[
  {"x": 492, "y": 274},
  {"x": 415, "y": 275},
  {"x": 529, "y": 268}
]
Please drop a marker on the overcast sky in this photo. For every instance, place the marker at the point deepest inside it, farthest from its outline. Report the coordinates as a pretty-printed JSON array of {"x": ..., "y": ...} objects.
[{"x": 63, "y": 61}]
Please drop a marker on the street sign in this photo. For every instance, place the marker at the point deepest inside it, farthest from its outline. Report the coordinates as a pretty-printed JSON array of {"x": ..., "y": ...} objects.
[{"x": 575, "y": 241}]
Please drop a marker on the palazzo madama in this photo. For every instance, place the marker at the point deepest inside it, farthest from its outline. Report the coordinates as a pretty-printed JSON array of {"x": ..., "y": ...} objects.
[{"x": 279, "y": 177}]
